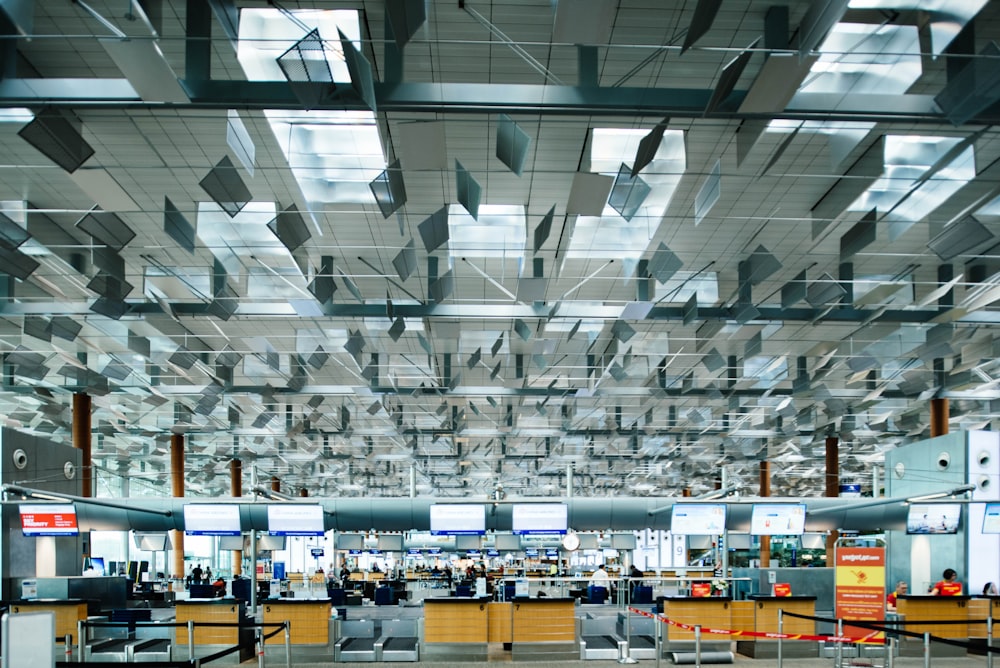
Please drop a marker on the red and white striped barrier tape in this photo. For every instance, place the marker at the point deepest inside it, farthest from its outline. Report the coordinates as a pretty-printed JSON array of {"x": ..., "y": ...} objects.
[{"x": 870, "y": 638}]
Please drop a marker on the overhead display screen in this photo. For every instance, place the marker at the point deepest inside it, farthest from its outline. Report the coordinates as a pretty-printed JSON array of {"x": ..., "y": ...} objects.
[
  {"x": 458, "y": 519},
  {"x": 48, "y": 519},
  {"x": 778, "y": 519},
  {"x": 289, "y": 519},
  {"x": 530, "y": 518},
  {"x": 928, "y": 518},
  {"x": 698, "y": 519},
  {"x": 212, "y": 519},
  {"x": 991, "y": 518}
]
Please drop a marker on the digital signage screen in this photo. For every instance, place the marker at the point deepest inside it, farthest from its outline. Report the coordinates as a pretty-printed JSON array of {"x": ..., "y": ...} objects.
[
  {"x": 991, "y": 518},
  {"x": 931, "y": 518},
  {"x": 212, "y": 519},
  {"x": 458, "y": 519},
  {"x": 698, "y": 519},
  {"x": 48, "y": 519},
  {"x": 288, "y": 519},
  {"x": 777, "y": 519},
  {"x": 532, "y": 518}
]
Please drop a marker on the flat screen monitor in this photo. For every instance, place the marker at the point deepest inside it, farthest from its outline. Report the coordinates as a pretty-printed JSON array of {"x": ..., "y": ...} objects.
[
  {"x": 991, "y": 518},
  {"x": 231, "y": 543},
  {"x": 928, "y": 518},
  {"x": 212, "y": 519},
  {"x": 777, "y": 519},
  {"x": 457, "y": 519},
  {"x": 97, "y": 565},
  {"x": 289, "y": 519},
  {"x": 49, "y": 519},
  {"x": 534, "y": 518},
  {"x": 698, "y": 519}
]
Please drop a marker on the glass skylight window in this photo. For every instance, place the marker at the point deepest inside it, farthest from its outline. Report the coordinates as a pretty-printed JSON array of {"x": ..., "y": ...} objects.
[
  {"x": 683, "y": 284},
  {"x": 859, "y": 58},
  {"x": 906, "y": 159},
  {"x": 947, "y": 17},
  {"x": 500, "y": 231},
  {"x": 333, "y": 154},
  {"x": 234, "y": 240},
  {"x": 768, "y": 370},
  {"x": 610, "y": 235}
]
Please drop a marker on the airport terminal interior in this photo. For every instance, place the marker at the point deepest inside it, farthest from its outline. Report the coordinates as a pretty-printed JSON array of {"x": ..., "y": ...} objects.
[{"x": 499, "y": 330}]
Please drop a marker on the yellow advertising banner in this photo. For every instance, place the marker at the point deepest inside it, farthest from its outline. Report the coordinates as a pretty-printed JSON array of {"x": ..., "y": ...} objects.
[{"x": 860, "y": 585}]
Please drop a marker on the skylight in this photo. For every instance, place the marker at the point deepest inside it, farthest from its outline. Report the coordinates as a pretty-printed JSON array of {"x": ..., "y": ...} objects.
[
  {"x": 333, "y": 154},
  {"x": 858, "y": 58},
  {"x": 679, "y": 288},
  {"x": 947, "y": 17},
  {"x": 610, "y": 235},
  {"x": 900, "y": 194},
  {"x": 500, "y": 231}
]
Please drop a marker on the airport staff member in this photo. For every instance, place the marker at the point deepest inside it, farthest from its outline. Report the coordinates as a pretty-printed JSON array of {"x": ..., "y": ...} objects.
[
  {"x": 948, "y": 586},
  {"x": 900, "y": 590}
]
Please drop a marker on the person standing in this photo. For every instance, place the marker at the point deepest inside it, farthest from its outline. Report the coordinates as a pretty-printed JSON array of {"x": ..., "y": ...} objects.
[
  {"x": 948, "y": 585},
  {"x": 196, "y": 574}
]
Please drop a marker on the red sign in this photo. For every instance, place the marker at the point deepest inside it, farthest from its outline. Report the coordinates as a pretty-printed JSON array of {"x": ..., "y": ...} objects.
[
  {"x": 48, "y": 520},
  {"x": 860, "y": 584},
  {"x": 701, "y": 589},
  {"x": 782, "y": 589}
]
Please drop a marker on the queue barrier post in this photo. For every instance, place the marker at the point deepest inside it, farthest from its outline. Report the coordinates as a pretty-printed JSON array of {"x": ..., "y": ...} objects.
[
  {"x": 288, "y": 644},
  {"x": 79, "y": 648},
  {"x": 190, "y": 640},
  {"x": 989, "y": 641},
  {"x": 697, "y": 645},
  {"x": 260, "y": 647},
  {"x": 927, "y": 649},
  {"x": 781, "y": 632},
  {"x": 840, "y": 645}
]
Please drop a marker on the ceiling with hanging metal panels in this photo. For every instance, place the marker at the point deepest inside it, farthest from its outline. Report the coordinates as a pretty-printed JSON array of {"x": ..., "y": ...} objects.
[{"x": 372, "y": 248}]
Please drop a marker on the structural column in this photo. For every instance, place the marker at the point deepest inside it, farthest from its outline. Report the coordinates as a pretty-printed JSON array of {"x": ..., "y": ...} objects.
[
  {"x": 177, "y": 489},
  {"x": 303, "y": 492},
  {"x": 236, "y": 491},
  {"x": 832, "y": 488},
  {"x": 81, "y": 441},
  {"x": 275, "y": 484},
  {"x": 939, "y": 417},
  {"x": 765, "y": 491}
]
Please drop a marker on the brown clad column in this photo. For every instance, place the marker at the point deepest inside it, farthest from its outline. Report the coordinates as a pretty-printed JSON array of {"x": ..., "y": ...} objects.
[
  {"x": 177, "y": 487},
  {"x": 765, "y": 491},
  {"x": 81, "y": 441},
  {"x": 939, "y": 417},
  {"x": 832, "y": 488},
  {"x": 303, "y": 491},
  {"x": 275, "y": 484},
  {"x": 236, "y": 491}
]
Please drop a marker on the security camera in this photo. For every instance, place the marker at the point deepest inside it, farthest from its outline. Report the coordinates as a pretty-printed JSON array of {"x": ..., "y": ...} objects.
[
  {"x": 983, "y": 458},
  {"x": 943, "y": 460}
]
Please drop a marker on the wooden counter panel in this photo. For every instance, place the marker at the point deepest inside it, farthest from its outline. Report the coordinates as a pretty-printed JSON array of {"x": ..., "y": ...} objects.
[
  {"x": 539, "y": 620},
  {"x": 742, "y": 615},
  {"x": 309, "y": 622},
  {"x": 703, "y": 611},
  {"x": 500, "y": 621},
  {"x": 944, "y": 608},
  {"x": 66, "y": 613},
  {"x": 766, "y": 615},
  {"x": 209, "y": 612},
  {"x": 459, "y": 621}
]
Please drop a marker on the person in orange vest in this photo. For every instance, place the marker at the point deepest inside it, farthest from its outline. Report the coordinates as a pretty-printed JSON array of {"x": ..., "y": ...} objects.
[{"x": 949, "y": 585}]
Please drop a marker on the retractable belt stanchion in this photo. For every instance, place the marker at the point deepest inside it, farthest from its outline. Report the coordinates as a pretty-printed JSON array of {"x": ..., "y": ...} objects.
[
  {"x": 781, "y": 631},
  {"x": 927, "y": 649},
  {"x": 840, "y": 645},
  {"x": 697, "y": 645}
]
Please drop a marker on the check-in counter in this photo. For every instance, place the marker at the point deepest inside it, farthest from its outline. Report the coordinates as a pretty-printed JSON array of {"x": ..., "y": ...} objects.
[
  {"x": 309, "y": 620},
  {"x": 543, "y": 628},
  {"x": 765, "y": 620},
  {"x": 983, "y": 607},
  {"x": 67, "y": 613},
  {"x": 914, "y": 609},
  {"x": 456, "y": 628},
  {"x": 710, "y": 611},
  {"x": 215, "y": 610}
]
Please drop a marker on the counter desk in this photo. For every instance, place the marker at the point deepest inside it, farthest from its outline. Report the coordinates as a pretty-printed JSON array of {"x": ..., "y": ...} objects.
[
  {"x": 67, "y": 613},
  {"x": 915, "y": 608},
  {"x": 760, "y": 614},
  {"x": 710, "y": 611},
  {"x": 222, "y": 610},
  {"x": 456, "y": 629},
  {"x": 309, "y": 620}
]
